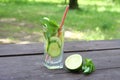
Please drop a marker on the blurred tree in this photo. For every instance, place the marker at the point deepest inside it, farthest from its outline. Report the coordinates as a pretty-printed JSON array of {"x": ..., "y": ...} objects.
[{"x": 73, "y": 4}]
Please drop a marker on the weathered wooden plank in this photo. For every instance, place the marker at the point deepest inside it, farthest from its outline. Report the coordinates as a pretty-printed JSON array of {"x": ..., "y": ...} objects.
[
  {"x": 92, "y": 45},
  {"x": 13, "y": 49},
  {"x": 31, "y": 68},
  {"x": 37, "y": 48},
  {"x": 112, "y": 74}
]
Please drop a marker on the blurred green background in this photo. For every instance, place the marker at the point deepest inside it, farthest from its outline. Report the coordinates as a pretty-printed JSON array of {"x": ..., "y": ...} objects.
[{"x": 94, "y": 20}]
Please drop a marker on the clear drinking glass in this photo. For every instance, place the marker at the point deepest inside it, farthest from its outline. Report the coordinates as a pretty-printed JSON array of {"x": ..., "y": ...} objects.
[{"x": 53, "y": 49}]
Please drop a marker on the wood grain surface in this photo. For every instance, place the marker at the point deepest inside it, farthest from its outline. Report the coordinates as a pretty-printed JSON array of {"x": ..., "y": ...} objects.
[{"x": 24, "y": 61}]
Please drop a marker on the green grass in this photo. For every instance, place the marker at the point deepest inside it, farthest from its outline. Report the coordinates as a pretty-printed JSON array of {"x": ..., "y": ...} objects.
[{"x": 95, "y": 20}]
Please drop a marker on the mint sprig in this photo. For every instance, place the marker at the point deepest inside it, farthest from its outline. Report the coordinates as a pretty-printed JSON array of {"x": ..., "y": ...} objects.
[
  {"x": 88, "y": 66},
  {"x": 50, "y": 27}
]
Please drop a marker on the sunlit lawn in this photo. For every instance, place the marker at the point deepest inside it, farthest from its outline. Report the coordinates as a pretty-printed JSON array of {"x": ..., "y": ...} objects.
[{"x": 94, "y": 20}]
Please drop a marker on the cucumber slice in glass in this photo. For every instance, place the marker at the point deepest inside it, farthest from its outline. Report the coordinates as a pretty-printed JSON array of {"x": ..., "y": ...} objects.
[
  {"x": 74, "y": 62},
  {"x": 56, "y": 39},
  {"x": 54, "y": 49}
]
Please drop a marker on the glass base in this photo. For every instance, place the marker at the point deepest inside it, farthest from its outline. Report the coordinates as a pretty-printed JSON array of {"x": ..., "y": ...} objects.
[{"x": 54, "y": 66}]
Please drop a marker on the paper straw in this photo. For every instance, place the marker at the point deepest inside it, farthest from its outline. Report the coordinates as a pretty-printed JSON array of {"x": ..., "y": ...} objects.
[{"x": 63, "y": 19}]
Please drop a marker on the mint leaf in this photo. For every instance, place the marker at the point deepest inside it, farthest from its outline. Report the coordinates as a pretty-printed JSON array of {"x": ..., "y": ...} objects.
[
  {"x": 50, "y": 27},
  {"x": 88, "y": 66}
]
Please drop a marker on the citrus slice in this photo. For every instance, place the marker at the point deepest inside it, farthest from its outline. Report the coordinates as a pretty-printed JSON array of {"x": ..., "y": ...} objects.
[
  {"x": 74, "y": 62},
  {"x": 54, "y": 49},
  {"x": 56, "y": 39}
]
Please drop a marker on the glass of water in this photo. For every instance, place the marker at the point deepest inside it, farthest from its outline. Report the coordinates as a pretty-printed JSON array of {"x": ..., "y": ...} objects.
[{"x": 53, "y": 47}]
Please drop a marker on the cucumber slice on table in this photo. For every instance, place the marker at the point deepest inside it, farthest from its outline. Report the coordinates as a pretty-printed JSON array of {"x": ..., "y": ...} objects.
[
  {"x": 54, "y": 49},
  {"x": 74, "y": 62}
]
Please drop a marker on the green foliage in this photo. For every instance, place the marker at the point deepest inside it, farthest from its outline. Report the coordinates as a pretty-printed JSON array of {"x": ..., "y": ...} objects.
[
  {"x": 14, "y": 1},
  {"x": 118, "y": 1},
  {"x": 96, "y": 20}
]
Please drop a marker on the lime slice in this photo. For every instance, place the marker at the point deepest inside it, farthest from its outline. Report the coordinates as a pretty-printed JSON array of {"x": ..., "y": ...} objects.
[
  {"x": 54, "y": 49},
  {"x": 74, "y": 62}
]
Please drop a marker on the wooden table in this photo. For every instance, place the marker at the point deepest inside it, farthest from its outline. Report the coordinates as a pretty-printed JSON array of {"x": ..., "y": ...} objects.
[{"x": 24, "y": 61}]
